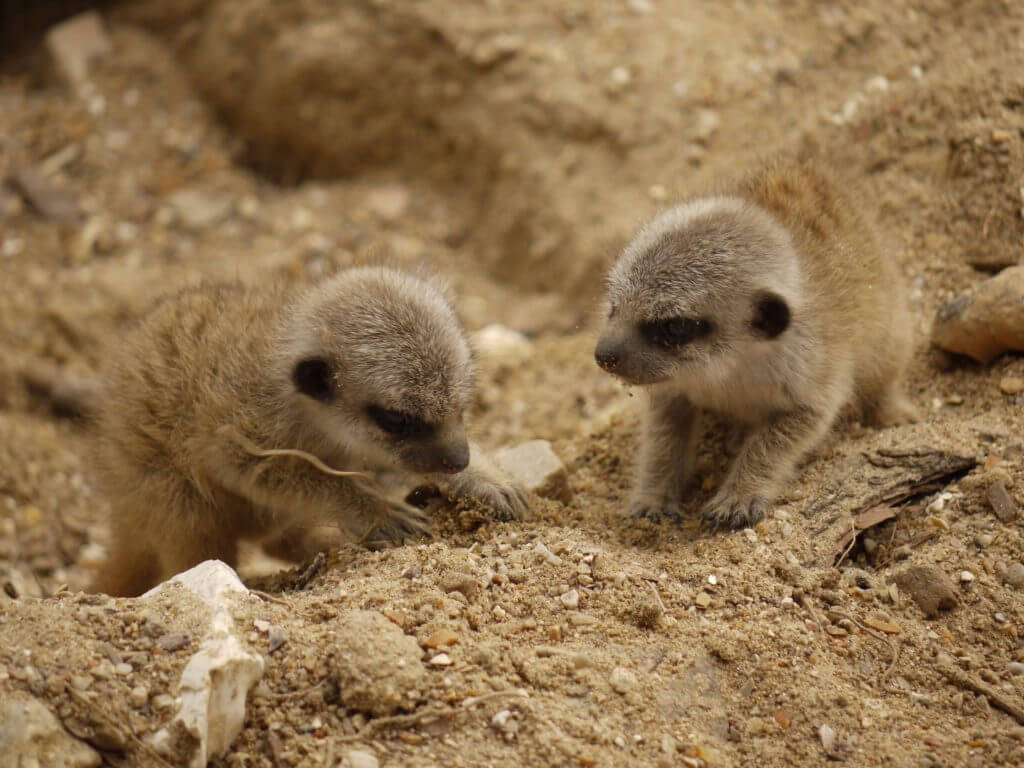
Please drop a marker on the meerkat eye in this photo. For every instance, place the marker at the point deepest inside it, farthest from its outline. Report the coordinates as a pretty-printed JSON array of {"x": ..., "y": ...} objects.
[
  {"x": 312, "y": 377},
  {"x": 771, "y": 315},
  {"x": 675, "y": 331},
  {"x": 399, "y": 423}
]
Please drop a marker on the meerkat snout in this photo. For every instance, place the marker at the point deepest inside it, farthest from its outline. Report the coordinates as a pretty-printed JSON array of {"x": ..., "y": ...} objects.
[{"x": 771, "y": 306}]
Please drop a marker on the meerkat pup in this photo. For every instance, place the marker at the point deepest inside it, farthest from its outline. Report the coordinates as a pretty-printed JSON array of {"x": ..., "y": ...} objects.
[
  {"x": 218, "y": 391},
  {"x": 770, "y": 305}
]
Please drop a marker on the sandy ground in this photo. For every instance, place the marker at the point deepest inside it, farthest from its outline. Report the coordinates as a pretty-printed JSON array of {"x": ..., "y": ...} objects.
[{"x": 513, "y": 150}]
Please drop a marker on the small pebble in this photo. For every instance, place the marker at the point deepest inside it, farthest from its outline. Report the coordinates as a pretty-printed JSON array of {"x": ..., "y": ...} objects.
[
  {"x": 1011, "y": 385},
  {"x": 966, "y": 577},
  {"x": 1016, "y": 669},
  {"x": 712, "y": 580},
  {"x": 173, "y": 642},
  {"x": 358, "y": 758},
  {"x": 162, "y": 702},
  {"x": 622, "y": 680},
  {"x": 703, "y": 599},
  {"x": 828, "y": 737},
  {"x": 442, "y": 660},
  {"x": 81, "y": 682},
  {"x": 984, "y": 540},
  {"x": 1015, "y": 575},
  {"x": 138, "y": 696},
  {"x": 275, "y": 639},
  {"x": 123, "y": 669},
  {"x": 570, "y": 599}
]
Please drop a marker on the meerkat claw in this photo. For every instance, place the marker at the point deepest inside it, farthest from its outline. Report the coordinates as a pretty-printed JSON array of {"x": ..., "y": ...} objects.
[{"x": 730, "y": 513}]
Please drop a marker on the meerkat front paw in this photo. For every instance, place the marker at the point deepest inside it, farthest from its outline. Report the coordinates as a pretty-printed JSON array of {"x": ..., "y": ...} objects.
[
  {"x": 728, "y": 510},
  {"x": 655, "y": 509},
  {"x": 506, "y": 500}
]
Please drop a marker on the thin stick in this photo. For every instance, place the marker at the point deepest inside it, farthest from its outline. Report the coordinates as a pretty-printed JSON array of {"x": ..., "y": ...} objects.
[
  {"x": 269, "y": 598},
  {"x": 254, "y": 450},
  {"x": 894, "y": 647},
  {"x": 148, "y": 749},
  {"x": 964, "y": 680}
]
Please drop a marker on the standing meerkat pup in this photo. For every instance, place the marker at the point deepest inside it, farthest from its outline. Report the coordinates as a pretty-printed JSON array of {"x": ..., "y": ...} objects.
[
  {"x": 770, "y": 305},
  {"x": 213, "y": 396}
]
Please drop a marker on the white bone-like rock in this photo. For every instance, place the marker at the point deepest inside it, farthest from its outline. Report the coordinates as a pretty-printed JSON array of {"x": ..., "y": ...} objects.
[{"x": 217, "y": 679}]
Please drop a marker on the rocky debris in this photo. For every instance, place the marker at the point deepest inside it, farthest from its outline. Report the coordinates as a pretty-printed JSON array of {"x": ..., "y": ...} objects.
[
  {"x": 31, "y": 737},
  {"x": 536, "y": 467},
  {"x": 217, "y": 679},
  {"x": 929, "y": 587},
  {"x": 377, "y": 667},
  {"x": 1002, "y": 502},
  {"x": 75, "y": 44},
  {"x": 986, "y": 321},
  {"x": 198, "y": 209}
]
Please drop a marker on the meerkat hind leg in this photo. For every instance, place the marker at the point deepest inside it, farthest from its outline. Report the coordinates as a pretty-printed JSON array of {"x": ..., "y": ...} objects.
[
  {"x": 131, "y": 568},
  {"x": 667, "y": 458},
  {"x": 769, "y": 455}
]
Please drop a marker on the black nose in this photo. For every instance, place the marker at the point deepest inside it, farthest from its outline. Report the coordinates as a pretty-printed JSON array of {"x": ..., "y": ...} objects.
[
  {"x": 455, "y": 458},
  {"x": 606, "y": 359}
]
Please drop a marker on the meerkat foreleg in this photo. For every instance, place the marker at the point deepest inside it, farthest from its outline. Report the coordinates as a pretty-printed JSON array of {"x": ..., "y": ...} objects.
[
  {"x": 667, "y": 457},
  {"x": 296, "y": 490},
  {"x": 768, "y": 456},
  {"x": 484, "y": 481}
]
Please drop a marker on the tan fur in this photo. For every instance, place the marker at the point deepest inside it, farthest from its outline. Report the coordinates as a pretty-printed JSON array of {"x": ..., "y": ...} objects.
[
  {"x": 210, "y": 374},
  {"x": 783, "y": 242}
]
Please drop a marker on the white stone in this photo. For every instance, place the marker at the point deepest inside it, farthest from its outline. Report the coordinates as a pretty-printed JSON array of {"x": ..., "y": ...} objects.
[
  {"x": 211, "y": 580},
  {"x": 357, "y": 758},
  {"x": 500, "y": 341},
  {"x": 966, "y": 577},
  {"x": 827, "y": 735},
  {"x": 75, "y": 44},
  {"x": 197, "y": 209},
  {"x": 570, "y": 599},
  {"x": 441, "y": 660},
  {"x": 217, "y": 679},
  {"x": 536, "y": 467},
  {"x": 622, "y": 680}
]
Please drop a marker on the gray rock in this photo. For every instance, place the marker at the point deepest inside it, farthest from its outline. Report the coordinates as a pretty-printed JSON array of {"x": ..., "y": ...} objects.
[
  {"x": 536, "y": 467},
  {"x": 1015, "y": 575},
  {"x": 31, "y": 737},
  {"x": 986, "y": 321},
  {"x": 199, "y": 210},
  {"x": 929, "y": 587},
  {"x": 377, "y": 667}
]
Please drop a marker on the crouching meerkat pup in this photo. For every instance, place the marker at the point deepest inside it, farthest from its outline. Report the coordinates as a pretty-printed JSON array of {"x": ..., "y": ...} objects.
[
  {"x": 770, "y": 305},
  {"x": 216, "y": 393}
]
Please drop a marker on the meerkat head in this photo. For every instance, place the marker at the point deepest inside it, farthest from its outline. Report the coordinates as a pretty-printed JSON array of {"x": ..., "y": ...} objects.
[
  {"x": 380, "y": 365},
  {"x": 697, "y": 292}
]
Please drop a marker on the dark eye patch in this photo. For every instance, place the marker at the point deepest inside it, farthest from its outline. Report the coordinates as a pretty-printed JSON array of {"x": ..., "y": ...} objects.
[
  {"x": 399, "y": 423},
  {"x": 675, "y": 331},
  {"x": 312, "y": 377},
  {"x": 771, "y": 315}
]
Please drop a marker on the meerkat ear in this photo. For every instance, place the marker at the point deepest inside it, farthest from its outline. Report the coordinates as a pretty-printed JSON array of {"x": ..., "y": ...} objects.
[
  {"x": 312, "y": 377},
  {"x": 771, "y": 315}
]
